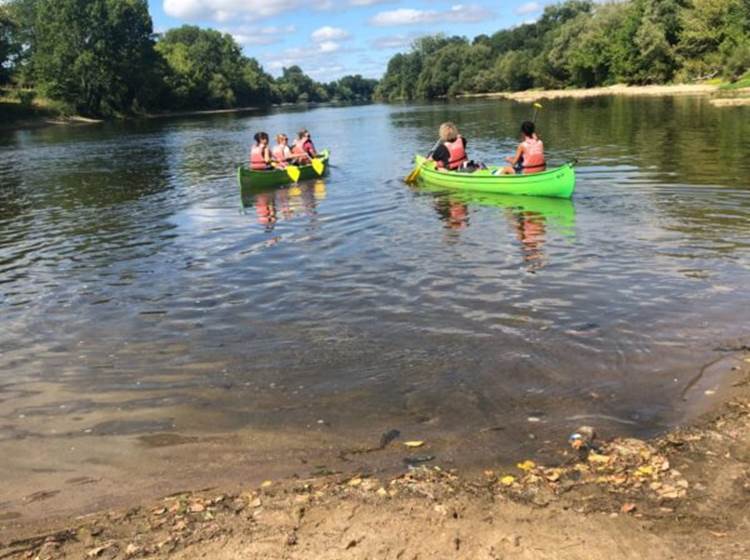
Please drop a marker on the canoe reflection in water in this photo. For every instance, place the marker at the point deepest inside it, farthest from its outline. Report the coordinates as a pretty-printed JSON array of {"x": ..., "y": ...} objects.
[
  {"x": 532, "y": 219},
  {"x": 531, "y": 229},
  {"x": 455, "y": 214},
  {"x": 284, "y": 203}
]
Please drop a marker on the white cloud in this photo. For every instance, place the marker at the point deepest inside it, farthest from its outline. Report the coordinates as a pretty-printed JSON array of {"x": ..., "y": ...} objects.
[
  {"x": 328, "y": 46},
  {"x": 251, "y": 35},
  {"x": 369, "y": 2},
  {"x": 328, "y": 33},
  {"x": 460, "y": 13},
  {"x": 398, "y": 41},
  {"x": 223, "y": 11},
  {"x": 528, "y": 8}
]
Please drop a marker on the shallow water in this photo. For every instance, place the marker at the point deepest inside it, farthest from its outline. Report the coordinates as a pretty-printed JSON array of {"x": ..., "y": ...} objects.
[{"x": 141, "y": 294}]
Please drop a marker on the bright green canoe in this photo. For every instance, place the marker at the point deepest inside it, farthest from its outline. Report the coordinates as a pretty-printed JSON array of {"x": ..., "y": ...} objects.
[
  {"x": 559, "y": 182},
  {"x": 260, "y": 180}
]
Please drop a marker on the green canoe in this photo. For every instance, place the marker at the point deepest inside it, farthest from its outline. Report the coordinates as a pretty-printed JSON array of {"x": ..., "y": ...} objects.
[
  {"x": 559, "y": 182},
  {"x": 260, "y": 180}
]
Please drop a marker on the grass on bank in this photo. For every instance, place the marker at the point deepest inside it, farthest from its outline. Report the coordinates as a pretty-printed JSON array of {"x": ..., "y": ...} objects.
[
  {"x": 23, "y": 104},
  {"x": 743, "y": 82}
]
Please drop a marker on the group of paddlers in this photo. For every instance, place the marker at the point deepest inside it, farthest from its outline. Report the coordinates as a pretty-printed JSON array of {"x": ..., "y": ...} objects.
[
  {"x": 450, "y": 154},
  {"x": 263, "y": 158}
]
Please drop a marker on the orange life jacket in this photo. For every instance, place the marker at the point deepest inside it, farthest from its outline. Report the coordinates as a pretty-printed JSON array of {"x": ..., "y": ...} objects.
[
  {"x": 280, "y": 155},
  {"x": 533, "y": 156},
  {"x": 457, "y": 153},
  {"x": 298, "y": 150},
  {"x": 257, "y": 161}
]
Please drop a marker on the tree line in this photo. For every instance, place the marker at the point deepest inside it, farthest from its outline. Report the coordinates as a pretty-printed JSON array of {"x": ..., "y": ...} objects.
[
  {"x": 102, "y": 58},
  {"x": 580, "y": 43}
]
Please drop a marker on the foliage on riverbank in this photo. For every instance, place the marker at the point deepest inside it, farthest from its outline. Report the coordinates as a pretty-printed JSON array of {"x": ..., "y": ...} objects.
[
  {"x": 580, "y": 43},
  {"x": 102, "y": 58}
]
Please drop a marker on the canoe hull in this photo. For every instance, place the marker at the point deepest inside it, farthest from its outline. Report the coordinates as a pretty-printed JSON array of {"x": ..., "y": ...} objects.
[
  {"x": 558, "y": 182},
  {"x": 261, "y": 180}
]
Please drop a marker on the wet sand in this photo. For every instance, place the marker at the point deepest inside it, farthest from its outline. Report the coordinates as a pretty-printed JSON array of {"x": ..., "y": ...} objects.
[{"x": 684, "y": 494}]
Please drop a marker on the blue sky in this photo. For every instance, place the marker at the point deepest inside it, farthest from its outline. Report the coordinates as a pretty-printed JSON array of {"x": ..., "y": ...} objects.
[{"x": 331, "y": 38}]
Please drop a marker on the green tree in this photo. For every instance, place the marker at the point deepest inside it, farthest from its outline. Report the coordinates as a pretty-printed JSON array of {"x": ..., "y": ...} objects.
[
  {"x": 206, "y": 69},
  {"x": 710, "y": 30},
  {"x": 7, "y": 29},
  {"x": 93, "y": 55}
]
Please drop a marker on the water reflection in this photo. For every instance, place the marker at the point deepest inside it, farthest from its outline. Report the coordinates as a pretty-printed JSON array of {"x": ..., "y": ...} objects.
[
  {"x": 283, "y": 203},
  {"x": 529, "y": 218}
]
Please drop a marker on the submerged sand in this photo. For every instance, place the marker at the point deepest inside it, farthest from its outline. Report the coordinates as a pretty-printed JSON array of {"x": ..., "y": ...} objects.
[{"x": 683, "y": 495}]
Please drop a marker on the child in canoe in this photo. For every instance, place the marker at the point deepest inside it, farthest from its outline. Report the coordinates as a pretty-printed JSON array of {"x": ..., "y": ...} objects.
[
  {"x": 281, "y": 153},
  {"x": 303, "y": 148},
  {"x": 529, "y": 156},
  {"x": 260, "y": 155}
]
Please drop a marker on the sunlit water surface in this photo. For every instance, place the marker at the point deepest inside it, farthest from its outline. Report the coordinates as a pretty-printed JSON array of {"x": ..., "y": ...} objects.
[{"x": 141, "y": 293}]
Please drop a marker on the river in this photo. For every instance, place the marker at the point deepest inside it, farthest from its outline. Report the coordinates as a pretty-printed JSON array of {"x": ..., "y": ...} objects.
[{"x": 159, "y": 329}]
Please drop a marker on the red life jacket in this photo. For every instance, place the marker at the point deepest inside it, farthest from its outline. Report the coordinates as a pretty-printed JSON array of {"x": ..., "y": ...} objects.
[
  {"x": 279, "y": 154},
  {"x": 457, "y": 153},
  {"x": 257, "y": 161},
  {"x": 533, "y": 156}
]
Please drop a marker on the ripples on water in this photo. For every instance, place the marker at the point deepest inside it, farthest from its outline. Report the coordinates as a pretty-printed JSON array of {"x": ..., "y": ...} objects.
[{"x": 137, "y": 281}]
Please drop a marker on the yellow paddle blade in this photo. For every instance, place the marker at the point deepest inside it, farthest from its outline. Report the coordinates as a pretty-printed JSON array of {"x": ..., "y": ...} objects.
[
  {"x": 318, "y": 166},
  {"x": 413, "y": 176},
  {"x": 293, "y": 172}
]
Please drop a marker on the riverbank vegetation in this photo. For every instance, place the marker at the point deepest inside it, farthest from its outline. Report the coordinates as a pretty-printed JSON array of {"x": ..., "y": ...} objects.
[
  {"x": 102, "y": 58},
  {"x": 580, "y": 43}
]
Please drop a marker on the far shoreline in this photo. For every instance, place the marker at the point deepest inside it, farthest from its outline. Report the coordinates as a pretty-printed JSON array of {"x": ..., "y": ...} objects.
[{"x": 582, "y": 93}]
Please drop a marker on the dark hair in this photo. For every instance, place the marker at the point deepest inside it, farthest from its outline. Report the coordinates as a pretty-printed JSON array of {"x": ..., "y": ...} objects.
[
  {"x": 527, "y": 127},
  {"x": 260, "y": 136}
]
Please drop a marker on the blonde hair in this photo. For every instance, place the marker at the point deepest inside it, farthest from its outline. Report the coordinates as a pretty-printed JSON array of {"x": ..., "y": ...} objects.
[{"x": 448, "y": 132}]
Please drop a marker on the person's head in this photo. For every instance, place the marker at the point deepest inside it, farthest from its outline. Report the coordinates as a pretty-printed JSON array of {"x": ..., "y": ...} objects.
[
  {"x": 282, "y": 139},
  {"x": 528, "y": 129},
  {"x": 261, "y": 138},
  {"x": 303, "y": 134},
  {"x": 448, "y": 132}
]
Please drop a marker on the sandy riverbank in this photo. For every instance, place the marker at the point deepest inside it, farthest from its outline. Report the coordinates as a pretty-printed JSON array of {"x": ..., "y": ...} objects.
[
  {"x": 683, "y": 495},
  {"x": 619, "y": 89}
]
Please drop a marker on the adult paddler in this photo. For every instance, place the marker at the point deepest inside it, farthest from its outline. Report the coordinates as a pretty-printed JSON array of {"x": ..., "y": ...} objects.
[{"x": 450, "y": 152}]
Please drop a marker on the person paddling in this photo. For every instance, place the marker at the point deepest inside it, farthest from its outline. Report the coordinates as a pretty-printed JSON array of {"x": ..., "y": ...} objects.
[
  {"x": 281, "y": 153},
  {"x": 450, "y": 153},
  {"x": 304, "y": 149},
  {"x": 529, "y": 156},
  {"x": 260, "y": 155}
]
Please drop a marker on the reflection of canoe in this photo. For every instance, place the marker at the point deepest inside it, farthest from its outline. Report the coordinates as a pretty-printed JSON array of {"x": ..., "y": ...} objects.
[
  {"x": 277, "y": 177},
  {"x": 558, "y": 182},
  {"x": 558, "y": 211}
]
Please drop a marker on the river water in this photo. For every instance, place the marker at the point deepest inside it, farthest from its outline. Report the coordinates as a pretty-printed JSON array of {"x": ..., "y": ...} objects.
[{"x": 147, "y": 303}]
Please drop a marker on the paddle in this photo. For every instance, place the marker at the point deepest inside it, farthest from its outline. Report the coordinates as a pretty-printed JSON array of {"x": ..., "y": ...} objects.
[
  {"x": 293, "y": 172},
  {"x": 318, "y": 166},
  {"x": 537, "y": 106},
  {"x": 414, "y": 175}
]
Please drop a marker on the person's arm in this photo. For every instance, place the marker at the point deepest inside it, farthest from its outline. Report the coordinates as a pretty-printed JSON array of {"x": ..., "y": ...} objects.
[
  {"x": 267, "y": 154},
  {"x": 442, "y": 156},
  {"x": 519, "y": 153}
]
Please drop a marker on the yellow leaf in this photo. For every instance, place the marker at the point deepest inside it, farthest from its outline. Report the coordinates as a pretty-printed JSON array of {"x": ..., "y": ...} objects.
[
  {"x": 413, "y": 443},
  {"x": 266, "y": 483},
  {"x": 507, "y": 480},
  {"x": 526, "y": 465},
  {"x": 646, "y": 470},
  {"x": 598, "y": 458}
]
